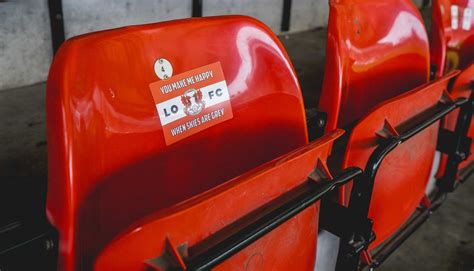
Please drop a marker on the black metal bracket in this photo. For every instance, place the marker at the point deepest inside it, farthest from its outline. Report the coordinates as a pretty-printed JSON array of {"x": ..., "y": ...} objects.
[
  {"x": 433, "y": 70},
  {"x": 196, "y": 8},
  {"x": 447, "y": 144},
  {"x": 425, "y": 3},
  {"x": 351, "y": 226},
  {"x": 56, "y": 19},
  {"x": 316, "y": 122},
  {"x": 456, "y": 145},
  {"x": 210, "y": 252},
  {"x": 286, "y": 15}
]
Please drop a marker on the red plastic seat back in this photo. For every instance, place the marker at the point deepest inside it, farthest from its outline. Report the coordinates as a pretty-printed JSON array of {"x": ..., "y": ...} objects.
[
  {"x": 109, "y": 161},
  {"x": 375, "y": 50},
  {"x": 452, "y": 45},
  {"x": 401, "y": 180}
]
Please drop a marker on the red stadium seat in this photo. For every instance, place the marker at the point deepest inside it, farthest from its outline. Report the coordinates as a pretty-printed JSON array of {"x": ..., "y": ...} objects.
[
  {"x": 154, "y": 134},
  {"x": 375, "y": 50},
  {"x": 401, "y": 181},
  {"x": 379, "y": 57},
  {"x": 452, "y": 28}
]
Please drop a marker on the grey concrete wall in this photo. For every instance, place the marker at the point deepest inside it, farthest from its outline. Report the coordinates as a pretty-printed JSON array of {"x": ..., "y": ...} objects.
[
  {"x": 308, "y": 14},
  {"x": 268, "y": 11},
  {"x": 25, "y": 39},
  {"x": 25, "y": 42},
  {"x": 418, "y": 3},
  {"x": 305, "y": 14},
  {"x": 92, "y": 15}
]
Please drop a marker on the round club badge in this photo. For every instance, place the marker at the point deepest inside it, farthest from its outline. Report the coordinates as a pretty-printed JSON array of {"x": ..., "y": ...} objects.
[{"x": 163, "y": 69}]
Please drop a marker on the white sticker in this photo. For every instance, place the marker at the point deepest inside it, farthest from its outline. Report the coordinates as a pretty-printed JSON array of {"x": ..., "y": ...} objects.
[
  {"x": 454, "y": 16},
  {"x": 163, "y": 69},
  {"x": 173, "y": 109},
  {"x": 192, "y": 101},
  {"x": 466, "y": 19}
]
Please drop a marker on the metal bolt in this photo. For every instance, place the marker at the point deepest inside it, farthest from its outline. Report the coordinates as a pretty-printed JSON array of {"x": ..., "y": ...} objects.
[
  {"x": 461, "y": 155},
  {"x": 49, "y": 245},
  {"x": 321, "y": 123}
]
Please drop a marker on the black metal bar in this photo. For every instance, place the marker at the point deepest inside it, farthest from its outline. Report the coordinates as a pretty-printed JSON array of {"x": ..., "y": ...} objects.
[
  {"x": 425, "y": 4},
  {"x": 252, "y": 232},
  {"x": 57, "y": 23},
  {"x": 316, "y": 123},
  {"x": 197, "y": 8},
  {"x": 285, "y": 20}
]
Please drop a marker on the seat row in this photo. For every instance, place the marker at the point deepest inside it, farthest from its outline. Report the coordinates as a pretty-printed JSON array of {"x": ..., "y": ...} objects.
[{"x": 184, "y": 145}]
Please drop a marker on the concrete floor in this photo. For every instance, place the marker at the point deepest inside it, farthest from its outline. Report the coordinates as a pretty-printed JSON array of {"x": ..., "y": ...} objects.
[
  {"x": 23, "y": 132},
  {"x": 445, "y": 242}
]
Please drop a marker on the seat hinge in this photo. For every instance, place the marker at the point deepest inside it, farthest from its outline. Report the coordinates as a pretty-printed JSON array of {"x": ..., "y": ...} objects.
[{"x": 447, "y": 144}]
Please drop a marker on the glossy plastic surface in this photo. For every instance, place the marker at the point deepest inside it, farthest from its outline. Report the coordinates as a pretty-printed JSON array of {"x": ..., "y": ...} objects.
[
  {"x": 404, "y": 173},
  {"x": 452, "y": 45},
  {"x": 375, "y": 50},
  {"x": 109, "y": 165},
  {"x": 291, "y": 246}
]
